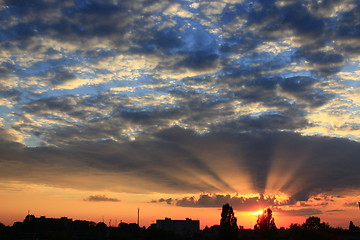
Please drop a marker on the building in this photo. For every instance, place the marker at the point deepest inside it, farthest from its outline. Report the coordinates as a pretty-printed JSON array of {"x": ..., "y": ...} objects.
[
  {"x": 184, "y": 227},
  {"x": 47, "y": 224}
]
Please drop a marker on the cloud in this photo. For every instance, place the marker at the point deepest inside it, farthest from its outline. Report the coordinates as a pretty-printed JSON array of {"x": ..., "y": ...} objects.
[
  {"x": 100, "y": 198},
  {"x": 335, "y": 211},
  {"x": 168, "y": 201},
  {"x": 247, "y": 203},
  {"x": 300, "y": 212},
  {"x": 182, "y": 161},
  {"x": 200, "y": 61},
  {"x": 278, "y": 203},
  {"x": 351, "y": 204},
  {"x": 266, "y": 121},
  {"x": 241, "y": 203}
]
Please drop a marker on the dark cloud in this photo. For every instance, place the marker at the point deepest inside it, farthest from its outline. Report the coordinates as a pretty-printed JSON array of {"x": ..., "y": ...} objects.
[
  {"x": 237, "y": 202},
  {"x": 245, "y": 42},
  {"x": 351, "y": 204},
  {"x": 100, "y": 198},
  {"x": 200, "y": 61},
  {"x": 268, "y": 22},
  {"x": 265, "y": 121},
  {"x": 272, "y": 22},
  {"x": 155, "y": 116},
  {"x": 80, "y": 23},
  {"x": 162, "y": 200},
  {"x": 240, "y": 203},
  {"x": 60, "y": 76},
  {"x": 300, "y": 212},
  {"x": 348, "y": 30},
  {"x": 335, "y": 211},
  {"x": 297, "y": 84},
  {"x": 302, "y": 89},
  {"x": 52, "y": 104},
  {"x": 9, "y": 93},
  {"x": 298, "y": 18},
  {"x": 166, "y": 40},
  {"x": 179, "y": 160},
  {"x": 7, "y": 69},
  {"x": 326, "y": 63}
]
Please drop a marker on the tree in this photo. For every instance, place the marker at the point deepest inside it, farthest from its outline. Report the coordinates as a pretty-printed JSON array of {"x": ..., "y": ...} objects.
[
  {"x": 2, "y": 227},
  {"x": 265, "y": 222},
  {"x": 352, "y": 227},
  {"x": 29, "y": 223},
  {"x": 101, "y": 226},
  {"x": 314, "y": 223},
  {"x": 228, "y": 224},
  {"x": 295, "y": 227}
]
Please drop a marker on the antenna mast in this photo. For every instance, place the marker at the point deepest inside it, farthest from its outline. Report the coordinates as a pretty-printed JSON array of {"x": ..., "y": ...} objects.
[{"x": 138, "y": 217}]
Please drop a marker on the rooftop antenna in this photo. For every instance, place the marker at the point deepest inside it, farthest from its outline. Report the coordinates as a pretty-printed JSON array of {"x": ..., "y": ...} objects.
[{"x": 138, "y": 217}]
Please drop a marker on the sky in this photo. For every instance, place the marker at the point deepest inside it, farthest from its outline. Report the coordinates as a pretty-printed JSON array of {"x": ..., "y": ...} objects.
[{"x": 178, "y": 107}]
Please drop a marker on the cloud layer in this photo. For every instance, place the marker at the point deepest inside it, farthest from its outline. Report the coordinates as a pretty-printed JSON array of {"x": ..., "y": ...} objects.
[
  {"x": 218, "y": 200},
  {"x": 182, "y": 161},
  {"x": 100, "y": 198}
]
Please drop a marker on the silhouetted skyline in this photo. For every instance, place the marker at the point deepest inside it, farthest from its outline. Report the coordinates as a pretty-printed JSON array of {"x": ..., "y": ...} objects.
[{"x": 33, "y": 227}]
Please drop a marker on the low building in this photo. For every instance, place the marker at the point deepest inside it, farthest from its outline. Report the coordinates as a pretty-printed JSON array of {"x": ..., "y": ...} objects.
[
  {"x": 47, "y": 224},
  {"x": 184, "y": 227}
]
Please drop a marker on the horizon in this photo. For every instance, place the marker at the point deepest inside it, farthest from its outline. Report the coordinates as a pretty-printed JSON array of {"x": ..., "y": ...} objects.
[
  {"x": 114, "y": 222},
  {"x": 178, "y": 107}
]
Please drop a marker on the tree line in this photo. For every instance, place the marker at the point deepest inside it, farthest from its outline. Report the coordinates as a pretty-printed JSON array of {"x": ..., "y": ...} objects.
[{"x": 265, "y": 228}]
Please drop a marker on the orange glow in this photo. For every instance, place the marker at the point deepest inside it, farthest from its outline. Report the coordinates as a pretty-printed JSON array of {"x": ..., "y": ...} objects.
[
  {"x": 41, "y": 200},
  {"x": 258, "y": 212}
]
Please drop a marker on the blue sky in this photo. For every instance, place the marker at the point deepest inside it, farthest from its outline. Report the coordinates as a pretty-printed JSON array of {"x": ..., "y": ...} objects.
[{"x": 169, "y": 92}]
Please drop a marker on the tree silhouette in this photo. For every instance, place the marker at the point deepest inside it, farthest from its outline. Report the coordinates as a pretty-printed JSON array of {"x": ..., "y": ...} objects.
[
  {"x": 2, "y": 227},
  {"x": 228, "y": 224},
  {"x": 314, "y": 223},
  {"x": 100, "y": 226},
  {"x": 352, "y": 227},
  {"x": 29, "y": 223},
  {"x": 265, "y": 222}
]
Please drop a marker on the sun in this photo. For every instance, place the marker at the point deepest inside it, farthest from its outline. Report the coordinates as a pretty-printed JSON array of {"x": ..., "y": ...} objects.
[{"x": 258, "y": 212}]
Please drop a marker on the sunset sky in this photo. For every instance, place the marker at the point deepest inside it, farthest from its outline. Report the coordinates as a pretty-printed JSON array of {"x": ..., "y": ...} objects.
[{"x": 178, "y": 107}]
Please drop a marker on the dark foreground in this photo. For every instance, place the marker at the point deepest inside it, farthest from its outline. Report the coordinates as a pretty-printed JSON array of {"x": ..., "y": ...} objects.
[{"x": 83, "y": 231}]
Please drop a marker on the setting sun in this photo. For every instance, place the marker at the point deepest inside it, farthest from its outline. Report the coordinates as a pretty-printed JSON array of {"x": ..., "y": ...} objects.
[{"x": 258, "y": 212}]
